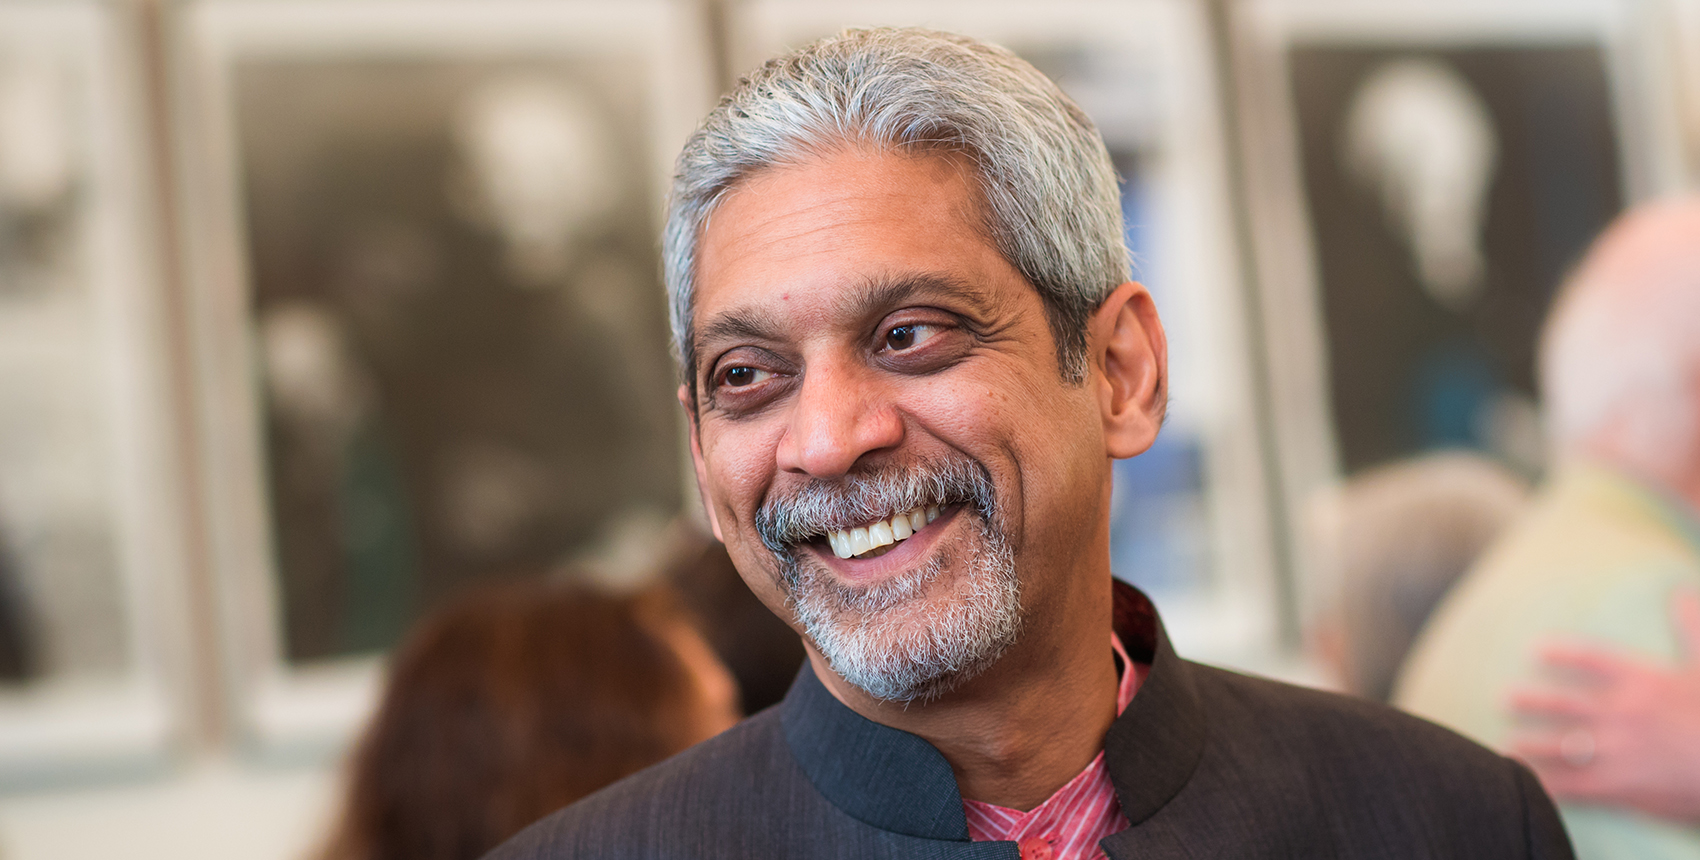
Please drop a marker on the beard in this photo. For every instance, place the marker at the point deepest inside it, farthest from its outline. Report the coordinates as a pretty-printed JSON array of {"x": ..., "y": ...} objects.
[{"x": 925, "y": 631}]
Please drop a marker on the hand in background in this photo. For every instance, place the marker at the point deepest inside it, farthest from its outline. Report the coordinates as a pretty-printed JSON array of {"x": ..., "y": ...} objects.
[{"x": 1617, "y": 730}]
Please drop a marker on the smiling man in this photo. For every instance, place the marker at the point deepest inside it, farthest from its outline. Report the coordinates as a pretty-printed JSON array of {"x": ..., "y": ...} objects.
[{"x": 911, "y": 352}]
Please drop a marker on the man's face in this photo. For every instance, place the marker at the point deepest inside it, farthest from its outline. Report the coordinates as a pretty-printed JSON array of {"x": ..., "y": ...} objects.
[{"x": 883, "y": 437}]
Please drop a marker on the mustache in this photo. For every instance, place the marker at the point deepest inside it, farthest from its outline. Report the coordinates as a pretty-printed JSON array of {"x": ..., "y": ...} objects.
[{"x": 812, "y": 509}]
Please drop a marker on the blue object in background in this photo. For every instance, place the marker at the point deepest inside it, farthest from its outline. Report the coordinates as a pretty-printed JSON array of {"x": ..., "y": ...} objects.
[
  {"x": 1159, "y": 535},
  {"x": 1452, "y": 387}
]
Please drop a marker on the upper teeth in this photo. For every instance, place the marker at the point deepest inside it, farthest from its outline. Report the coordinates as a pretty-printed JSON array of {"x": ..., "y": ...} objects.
[{"x": 866, "y": 539}]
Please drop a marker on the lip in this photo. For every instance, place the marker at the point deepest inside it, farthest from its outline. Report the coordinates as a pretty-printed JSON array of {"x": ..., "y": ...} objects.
[{"x": 903, "y": 556}]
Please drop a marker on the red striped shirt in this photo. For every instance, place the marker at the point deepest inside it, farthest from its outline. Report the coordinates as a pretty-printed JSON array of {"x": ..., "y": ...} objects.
[{"x": 1068, "y": 825}]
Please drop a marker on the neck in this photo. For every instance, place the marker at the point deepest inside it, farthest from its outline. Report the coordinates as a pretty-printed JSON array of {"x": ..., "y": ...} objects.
[{"x": 1022, "y": 729}]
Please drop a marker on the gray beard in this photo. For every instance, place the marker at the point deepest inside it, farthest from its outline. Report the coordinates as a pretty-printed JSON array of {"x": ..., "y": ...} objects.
[{"x": 893, "y": 642}]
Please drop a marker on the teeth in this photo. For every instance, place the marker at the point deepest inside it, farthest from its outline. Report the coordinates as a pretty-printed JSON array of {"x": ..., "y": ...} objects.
[
  {"x": 873, "y": 537},
  {"x": 881, "y": 533},
  {"x": 859, "y": 542},
  {"x": 840, "y": 544}
]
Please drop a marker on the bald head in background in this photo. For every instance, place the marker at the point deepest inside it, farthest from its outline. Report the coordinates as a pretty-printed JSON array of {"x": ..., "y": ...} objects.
[{"x": 1620, "y": 359}]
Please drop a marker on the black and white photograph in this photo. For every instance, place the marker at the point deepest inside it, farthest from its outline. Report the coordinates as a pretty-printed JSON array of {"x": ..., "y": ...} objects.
[
  {"x": 1449, "y": 191},
  {"x": 443, "y": 304}
]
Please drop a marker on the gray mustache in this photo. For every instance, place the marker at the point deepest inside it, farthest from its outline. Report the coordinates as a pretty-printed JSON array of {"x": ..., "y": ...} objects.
[{"x": 817, "y": 507}]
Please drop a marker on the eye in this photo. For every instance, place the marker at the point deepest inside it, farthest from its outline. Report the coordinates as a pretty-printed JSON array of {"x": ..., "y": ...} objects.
[
  {"x": 739, "y": 376},
  {"x": 909, "y": 336}
]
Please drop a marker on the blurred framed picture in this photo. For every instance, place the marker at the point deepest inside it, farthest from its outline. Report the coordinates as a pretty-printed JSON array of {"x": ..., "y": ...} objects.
[
  {"x": 1189, "y": 520},
  {"x": 92, "y": 607},
  {"x": 1421, "y": 175},
  {"x": 431, "y": 334}
]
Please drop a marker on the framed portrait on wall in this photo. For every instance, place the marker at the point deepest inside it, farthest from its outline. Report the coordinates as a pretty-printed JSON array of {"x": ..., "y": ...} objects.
[
  {"x": 1188, "y": 516},
  {"x": 93, "y": 675},
  {"x": 1421, "y": 175},
  {"x": 431, "y": 336}
]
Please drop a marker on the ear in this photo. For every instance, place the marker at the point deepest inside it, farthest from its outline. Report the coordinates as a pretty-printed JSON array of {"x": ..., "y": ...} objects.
[
  {"x": 1130, "y": 355},
  {"x": 690, "y": 405}
]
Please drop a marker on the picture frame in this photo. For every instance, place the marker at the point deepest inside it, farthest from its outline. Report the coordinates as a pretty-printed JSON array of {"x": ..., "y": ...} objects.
[
  {"x": 1318, "y": 84},
  {"x": 93, "y": 514},
  {"x": 1189, "y": 519},
  {"x": 253, "y": 80}
]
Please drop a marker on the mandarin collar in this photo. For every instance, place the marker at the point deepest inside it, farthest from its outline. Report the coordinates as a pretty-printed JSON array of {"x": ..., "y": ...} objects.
[{"x": 896, "y": 781}]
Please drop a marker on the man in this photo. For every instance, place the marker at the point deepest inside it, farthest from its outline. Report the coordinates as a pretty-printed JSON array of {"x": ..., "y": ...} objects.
[
  {"x": 1613, "y": 533},
  {"x": 911, "y": 352}
]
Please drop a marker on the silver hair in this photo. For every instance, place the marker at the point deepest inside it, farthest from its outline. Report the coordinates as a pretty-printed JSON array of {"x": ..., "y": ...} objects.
[{"x": 1049, "y": 191}]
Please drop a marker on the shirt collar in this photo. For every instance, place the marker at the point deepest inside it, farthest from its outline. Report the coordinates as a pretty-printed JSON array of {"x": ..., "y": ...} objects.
[
  {"x": 896, "y": 781},
  {"x": 1629, "y": 496}
]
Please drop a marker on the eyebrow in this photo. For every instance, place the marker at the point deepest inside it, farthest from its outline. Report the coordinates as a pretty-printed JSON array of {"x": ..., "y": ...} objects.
[
  {"x": 879, "y": 292},
  {"x": 741, "y": 324}
]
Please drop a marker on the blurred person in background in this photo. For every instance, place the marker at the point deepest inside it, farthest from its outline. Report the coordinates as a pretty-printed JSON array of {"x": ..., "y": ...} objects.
[
  {"x": 1397, "y": 538},
  {"x": 516, "y": 700},
  {"x": 1614, "y": 531},
  {"x": 1620, "y": 730},
  {"x": 762, "y": 652}
]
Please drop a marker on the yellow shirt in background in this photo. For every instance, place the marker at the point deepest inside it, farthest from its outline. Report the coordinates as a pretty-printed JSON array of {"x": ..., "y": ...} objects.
[{"x": 1596, "y": 556}]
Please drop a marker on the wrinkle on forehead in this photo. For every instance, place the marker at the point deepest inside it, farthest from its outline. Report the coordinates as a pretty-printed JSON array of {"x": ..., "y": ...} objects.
[{"x": 820, "y": 218}]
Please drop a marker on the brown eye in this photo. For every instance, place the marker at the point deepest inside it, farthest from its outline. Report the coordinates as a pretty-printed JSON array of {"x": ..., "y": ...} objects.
[
  {"x": 908, "y": 336},
  {"x": 739, "y": 377}
]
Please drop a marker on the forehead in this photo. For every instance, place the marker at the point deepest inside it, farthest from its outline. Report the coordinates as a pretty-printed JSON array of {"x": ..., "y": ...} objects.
[{"x": 807, "y": 241}]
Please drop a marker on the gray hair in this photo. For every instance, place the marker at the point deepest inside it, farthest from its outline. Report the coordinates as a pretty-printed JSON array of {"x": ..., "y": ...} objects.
[{"x": 1052, "y": 204}]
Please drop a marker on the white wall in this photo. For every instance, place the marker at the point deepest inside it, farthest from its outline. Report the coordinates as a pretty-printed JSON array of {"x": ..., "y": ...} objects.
[{"x": 211, "y": 810}]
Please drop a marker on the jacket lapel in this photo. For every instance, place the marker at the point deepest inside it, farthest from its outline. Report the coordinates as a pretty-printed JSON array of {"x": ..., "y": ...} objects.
[
  {"x": 1153, "y": 748},
  {"x": 879, "y": 775}
]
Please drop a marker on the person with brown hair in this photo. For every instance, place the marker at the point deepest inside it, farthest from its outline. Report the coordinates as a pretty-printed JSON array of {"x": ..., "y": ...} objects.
[{"x": 514, "y": 701}]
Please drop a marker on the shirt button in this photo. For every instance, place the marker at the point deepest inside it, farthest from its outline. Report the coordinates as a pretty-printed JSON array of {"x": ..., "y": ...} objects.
[{"x": 1036, "y": 849}]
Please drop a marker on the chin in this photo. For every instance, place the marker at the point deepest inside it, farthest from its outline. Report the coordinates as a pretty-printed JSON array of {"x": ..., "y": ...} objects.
[{"x": 918, "y": 635}]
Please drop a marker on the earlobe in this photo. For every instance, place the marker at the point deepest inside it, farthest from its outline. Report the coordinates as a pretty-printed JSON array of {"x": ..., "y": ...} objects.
[
  {"x": 1130, "y": 352},
  {"x": 697, "y": 463}
]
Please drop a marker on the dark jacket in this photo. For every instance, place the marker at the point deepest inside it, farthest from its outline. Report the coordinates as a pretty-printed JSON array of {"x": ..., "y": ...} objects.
[{"x": 1207, "y": 763}]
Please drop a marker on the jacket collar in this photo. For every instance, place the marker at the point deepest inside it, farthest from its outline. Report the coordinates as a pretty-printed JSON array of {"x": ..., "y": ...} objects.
[{"x": 896, "y": 781}]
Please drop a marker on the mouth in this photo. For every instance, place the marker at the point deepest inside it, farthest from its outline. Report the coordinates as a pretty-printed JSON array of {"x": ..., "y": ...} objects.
[{"x": 874, "y": 539}]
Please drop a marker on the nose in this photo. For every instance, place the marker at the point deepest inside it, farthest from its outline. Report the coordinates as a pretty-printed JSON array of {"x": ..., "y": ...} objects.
[{"x": 839, "y": 415}]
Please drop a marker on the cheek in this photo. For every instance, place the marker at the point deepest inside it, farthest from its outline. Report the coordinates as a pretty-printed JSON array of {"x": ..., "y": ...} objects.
[
  {"x": 1042, "y": 443},
  {"x": 739, "y": 464},
  {"x": 755, "y": 566}
]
